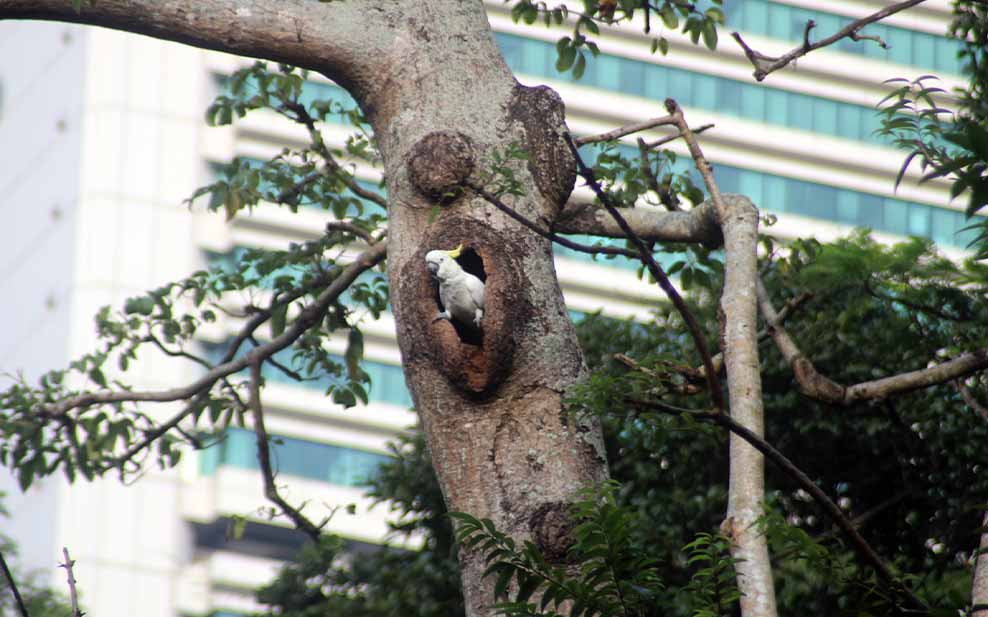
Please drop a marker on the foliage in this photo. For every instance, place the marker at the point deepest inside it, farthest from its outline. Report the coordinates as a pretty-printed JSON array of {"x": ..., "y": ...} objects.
[
  {"x": 327, "y": 579},
  {"x": 947, "y": 144},
  {"x": 672, "y": 14}
]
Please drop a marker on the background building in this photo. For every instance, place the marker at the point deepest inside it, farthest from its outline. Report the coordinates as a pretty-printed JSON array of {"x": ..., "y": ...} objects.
[{"x": 103, "y": 138}]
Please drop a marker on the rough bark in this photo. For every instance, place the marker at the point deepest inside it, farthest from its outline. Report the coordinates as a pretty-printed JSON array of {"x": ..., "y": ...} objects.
[
  {"x": 441, "y": 100},
  {"x": 979, "y": 586}
]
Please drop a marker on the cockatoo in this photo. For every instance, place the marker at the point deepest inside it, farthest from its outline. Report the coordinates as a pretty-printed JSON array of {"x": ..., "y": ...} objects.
[{"x": 461, "y": 293}]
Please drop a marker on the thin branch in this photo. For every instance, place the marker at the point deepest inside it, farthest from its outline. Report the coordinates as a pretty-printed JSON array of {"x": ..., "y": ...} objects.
[
  {"x": 70, "y": 578},
  {"x": 350, "y": 228},
  {"x": 979, "y": 584},
  {"x": 12, "y": 584},
  {"x": 308, "y": 317},
  {"x": 624, "y": 130},
  {"x": 302, "y": 116},
  {"x": 764, "y": 65},
  {"x": 971, "y": 400},
  {"x": 657, "y": 273},
  {"x": 666, "y": 195},
  {"x": 264, "y": 459},
  {"x": 861, "y": 546},
  {"x": 562, "y": 241},
  {"x": 815, "y": 385},
  {"x": 664, "y": 140}
]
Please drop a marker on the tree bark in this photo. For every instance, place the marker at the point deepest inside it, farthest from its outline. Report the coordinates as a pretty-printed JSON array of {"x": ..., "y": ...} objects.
[
  {"x": 979, "y": 586},
  {"x": 441, "y": 101}
]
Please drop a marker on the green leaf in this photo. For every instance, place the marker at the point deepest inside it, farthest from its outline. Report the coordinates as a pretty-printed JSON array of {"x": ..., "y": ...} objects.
[
  {"x": 581, "y": 66},
  {"x": 279, "y": 316},
  {"x": 710, "y": 35},
  {"x": 565, "y": 59},
  {"x": 140, "y": 306}
]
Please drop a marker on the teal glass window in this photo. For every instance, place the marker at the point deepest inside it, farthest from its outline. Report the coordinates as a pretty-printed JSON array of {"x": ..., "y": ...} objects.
[
  {"x": 717, "y": 94},
  {"x": 339, "y": 465},
  {"x": 387, "y": 381}
]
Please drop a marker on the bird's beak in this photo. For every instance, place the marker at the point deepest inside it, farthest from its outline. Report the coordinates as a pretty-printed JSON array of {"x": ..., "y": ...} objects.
[{"x": 433, "y": 267}]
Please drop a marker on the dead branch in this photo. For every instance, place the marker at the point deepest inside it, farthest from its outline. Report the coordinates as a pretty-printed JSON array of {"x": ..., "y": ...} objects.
[
  {"x": 624, "y": 130},
  {"x": 495, "y": 201},
  {"x": 815, "y": 385},
  {"x": 308, "y": 317},
  {"x": 264, "y": 459},
  {"x": 12, "y": 584},
  {"x": 70, "y": 578},
  {"x": 979, "y": 585},
  {"x": 764, "y": 65},
  {"x": 860, "y": 545},
  {"x": 656, "y": 271},
  {"x": 696, "y": 225},
  {"x": 738, "y": 220}
]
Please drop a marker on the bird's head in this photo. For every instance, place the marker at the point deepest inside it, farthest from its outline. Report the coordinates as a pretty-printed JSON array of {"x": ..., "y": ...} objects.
[{"x": 436, "y": 260}]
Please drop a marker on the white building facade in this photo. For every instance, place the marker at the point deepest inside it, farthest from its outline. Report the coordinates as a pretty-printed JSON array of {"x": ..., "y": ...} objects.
[{"x": 102, "y": 139}]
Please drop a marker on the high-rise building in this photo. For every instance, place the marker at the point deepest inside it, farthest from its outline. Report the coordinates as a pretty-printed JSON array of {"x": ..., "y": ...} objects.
[{"x": 103, "y": 139}]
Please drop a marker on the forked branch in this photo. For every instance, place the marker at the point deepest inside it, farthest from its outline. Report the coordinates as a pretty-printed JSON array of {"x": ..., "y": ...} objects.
[
  {"x": 767, "y": 64},
  {"x": 818, "y": 386}
]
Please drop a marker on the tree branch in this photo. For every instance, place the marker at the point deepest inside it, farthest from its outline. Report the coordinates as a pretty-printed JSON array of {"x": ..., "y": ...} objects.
[
  {"x": 696, "y": 225},
  {"x": 284, "y": 31},
  {"x": 979, "y": 585},
  {"x": 70, "y": 579},
  {"x": 264, "y": 459},
  {"x": 657, "y": 273},
  {"x": 767, "y": 64},
  {"x": 820, "y": 387},
  {"x": 308, "y": 317},
  {"x": 738, "y": 219},
  {"x": 624, "y": 130},
  {"x": 9, "y": 577},
  {"x": 495, "y": 201},
  {"x": 861, "y": 546}
]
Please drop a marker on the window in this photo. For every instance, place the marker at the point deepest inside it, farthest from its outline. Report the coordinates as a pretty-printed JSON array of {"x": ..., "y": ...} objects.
[{"x": 313, "y": 460}]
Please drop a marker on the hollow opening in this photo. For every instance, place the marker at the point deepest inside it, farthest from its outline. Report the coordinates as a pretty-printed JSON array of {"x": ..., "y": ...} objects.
[{"x": 471, "y": 262}]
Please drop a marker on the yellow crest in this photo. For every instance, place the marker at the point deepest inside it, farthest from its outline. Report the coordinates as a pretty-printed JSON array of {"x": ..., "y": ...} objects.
[{"x": 455, "y": 252}]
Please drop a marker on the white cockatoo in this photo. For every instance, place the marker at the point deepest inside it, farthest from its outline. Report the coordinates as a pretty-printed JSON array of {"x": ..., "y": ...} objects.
[{"x": 461, "y": 293}]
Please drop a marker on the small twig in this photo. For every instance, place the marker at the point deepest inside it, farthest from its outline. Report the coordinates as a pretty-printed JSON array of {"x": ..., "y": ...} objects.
[
  {"x": 495, "y": 201},
  {"x": 657, "y": 273},
  {"x": 624, "y": 130},
  {"x": 350, "y": 228},
  {"x": 864, "y": 550},
  {"x": 70, "y": 577},
  {"x": 666, "y": 196},
  {"x": 13, "y": 587},
  {"x": 264, "y": 459},
  {"x": 764, "y": 65},
  {"x": 664, "y": 140}
]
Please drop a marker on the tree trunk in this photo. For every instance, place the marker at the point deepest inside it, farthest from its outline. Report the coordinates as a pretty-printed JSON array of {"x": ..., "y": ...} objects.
[{"x": 441, "y": 101}]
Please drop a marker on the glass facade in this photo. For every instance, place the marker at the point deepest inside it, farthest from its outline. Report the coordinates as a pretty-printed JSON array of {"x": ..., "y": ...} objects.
[
  {"x": 295, "y": 457},
  {"x": 782, "y": 21},
  {"x": 743, "y": 99},
  {"x": 387, "y": 381}
]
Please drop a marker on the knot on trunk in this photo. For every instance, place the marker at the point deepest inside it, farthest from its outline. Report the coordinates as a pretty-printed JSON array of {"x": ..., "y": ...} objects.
[
  {"x": 552, "y": 529},
  {"x": 439, "y": 163},
  {"x": 543, "y": 117}
]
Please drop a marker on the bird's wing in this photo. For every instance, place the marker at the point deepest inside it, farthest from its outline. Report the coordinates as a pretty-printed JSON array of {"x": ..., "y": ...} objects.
[{"x": 476, "y": 287}]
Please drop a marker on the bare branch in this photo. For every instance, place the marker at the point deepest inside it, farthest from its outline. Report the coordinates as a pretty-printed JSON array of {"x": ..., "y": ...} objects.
[
  {"x": 767, "y": 64},
  {"x": 12, "y": 584},
  {"x": 696, "y": 225},
  {"x": 657, "y": 273},
  {"x": 285, "y": 31},
  {"x": 351, "y": 229},
  {"x": 664, "y": 140},
  {"x": 308, "y": 317},
  {"x": 264, "y": 459},
  {"x": 495, "y": 201},
  {"x": 624, "y": 130},
  {"x": 971, "y": 400},
  {"x": 738, "y": 220},
  {"x": 979, "y": 585},
  {"x": 820, "y": 387},
  {"x": 70, "y": 578},
  {"x": 861, "y": 546}
]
